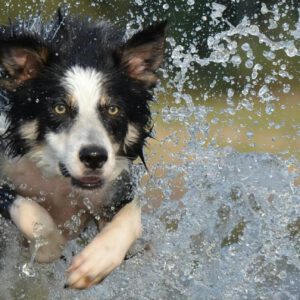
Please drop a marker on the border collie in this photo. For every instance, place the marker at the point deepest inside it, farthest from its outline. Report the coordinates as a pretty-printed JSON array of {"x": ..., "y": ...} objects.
[{"x": 75, "y": 98}]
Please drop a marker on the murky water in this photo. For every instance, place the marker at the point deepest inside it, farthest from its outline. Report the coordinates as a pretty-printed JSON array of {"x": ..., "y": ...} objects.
[{"x": 218, "y": 224}]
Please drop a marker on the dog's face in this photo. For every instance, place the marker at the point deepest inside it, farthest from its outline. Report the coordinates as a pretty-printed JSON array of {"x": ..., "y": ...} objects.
[{"x": 78, "y": 104}]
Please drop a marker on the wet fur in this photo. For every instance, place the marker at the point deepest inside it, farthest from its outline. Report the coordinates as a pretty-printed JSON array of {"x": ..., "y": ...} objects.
[{"x": 86, "y": 70}]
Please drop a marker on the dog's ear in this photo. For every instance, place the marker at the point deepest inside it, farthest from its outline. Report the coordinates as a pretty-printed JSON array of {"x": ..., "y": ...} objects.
[
  {"x": 143, "y": 53},
  {"x": 20, "y": 61}
]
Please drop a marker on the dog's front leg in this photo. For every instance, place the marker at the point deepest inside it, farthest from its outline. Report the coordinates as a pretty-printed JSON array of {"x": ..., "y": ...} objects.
[
  {"x": 108, "y": 249},
  {"x": 34, "y": 222}
]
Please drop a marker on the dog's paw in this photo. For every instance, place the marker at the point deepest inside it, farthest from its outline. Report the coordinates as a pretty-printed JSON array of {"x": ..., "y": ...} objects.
[{"x": 105, "y": 253}]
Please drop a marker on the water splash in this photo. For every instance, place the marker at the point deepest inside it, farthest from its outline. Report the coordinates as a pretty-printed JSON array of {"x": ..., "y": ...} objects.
[
  {"x": 39, "y": 241},
  {"x": 225, "y": 238},
  {"x": 225, "y": 50},
  {"x": 228, "y": 225},
  {"x": 28, "y": 268}
]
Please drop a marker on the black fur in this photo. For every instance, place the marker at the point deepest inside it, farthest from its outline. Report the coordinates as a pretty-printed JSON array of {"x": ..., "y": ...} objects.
[
  {"x": 65, "y": 42},
  {"x": 119, "y": 194},
  {"x": 7, "y": 196}
]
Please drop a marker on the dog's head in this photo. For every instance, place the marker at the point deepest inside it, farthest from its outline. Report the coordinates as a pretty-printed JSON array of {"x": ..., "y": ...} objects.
[{"x": 78, "y": 98}]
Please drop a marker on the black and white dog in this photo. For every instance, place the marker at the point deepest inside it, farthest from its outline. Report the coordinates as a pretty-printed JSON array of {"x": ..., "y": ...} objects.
[{"x": 75, "y": 97}]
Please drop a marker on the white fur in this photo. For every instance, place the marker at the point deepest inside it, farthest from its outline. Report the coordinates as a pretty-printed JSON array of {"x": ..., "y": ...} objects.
[
  {"x": 84, "y": 85},
  {"x": 28, "y": 131},
  {"x": 132, "y": 135},
  {"x": 28, "y": 216},
  {"x": 45, "y": 159}
]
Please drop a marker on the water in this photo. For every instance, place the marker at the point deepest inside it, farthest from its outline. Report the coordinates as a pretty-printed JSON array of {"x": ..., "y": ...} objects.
[
  {"x": 218, "y": 223},
  {"x": 28, "y": 267},
  {"x": 230, "y": 237}
]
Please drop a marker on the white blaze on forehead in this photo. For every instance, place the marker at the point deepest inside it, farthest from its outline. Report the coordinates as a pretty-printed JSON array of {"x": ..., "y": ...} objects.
[{"x": 84, "y": 86}]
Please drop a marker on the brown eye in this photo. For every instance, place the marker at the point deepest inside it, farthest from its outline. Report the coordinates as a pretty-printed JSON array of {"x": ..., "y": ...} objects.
[
  {"x": 60, "y": 109},
  {"x": 113, "y": 110}
]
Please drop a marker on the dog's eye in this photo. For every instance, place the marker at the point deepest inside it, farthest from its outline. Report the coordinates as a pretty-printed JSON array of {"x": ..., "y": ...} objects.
[
  {"x": 60, "y": 109},
  {"x": 113, "y": 110}
]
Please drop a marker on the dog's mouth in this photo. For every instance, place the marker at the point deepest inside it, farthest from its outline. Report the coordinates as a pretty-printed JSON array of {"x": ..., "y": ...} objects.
[
  {"x": 88, "y": 182},
  {"x": 85, "y": 182}
]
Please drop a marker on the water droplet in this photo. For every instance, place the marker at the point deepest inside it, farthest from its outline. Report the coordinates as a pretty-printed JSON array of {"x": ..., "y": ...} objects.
[
  {"x": 291, "y": 50},
  {"x": 28, "y": 270},
  {"x": 230, "y": 93},
  {"x": 246, "y": 47},
  {"x": 215, "y": 121},
  {"x": 269, "y": 55},
  {"x": 286, "y": 88},
  {"x": 264, "y": 10},
  {"x": 236, "y": 60},
  {"x": 249, "y": 63},
  {"x": 270, "y": 108},
  {"x": 263, "y": 90},
  {"x": 285, "y": 26}
]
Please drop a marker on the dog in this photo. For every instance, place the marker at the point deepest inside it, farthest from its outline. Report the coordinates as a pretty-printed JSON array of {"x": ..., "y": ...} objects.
[{"x": 75, "y": 100}]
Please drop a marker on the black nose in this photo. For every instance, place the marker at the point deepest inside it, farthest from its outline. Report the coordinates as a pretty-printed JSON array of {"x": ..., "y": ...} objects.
[{"x": 93, "y": 157}]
